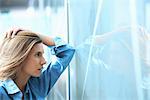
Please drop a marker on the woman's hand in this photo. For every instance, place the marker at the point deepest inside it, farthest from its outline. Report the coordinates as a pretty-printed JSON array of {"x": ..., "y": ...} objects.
[
  {"x": 12, "y": 33},
  {"x": 47, "y": 40}
]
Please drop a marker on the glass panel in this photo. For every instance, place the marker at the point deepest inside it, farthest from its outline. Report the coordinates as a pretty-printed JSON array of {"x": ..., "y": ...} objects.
[{"x": 111, "y": 61}]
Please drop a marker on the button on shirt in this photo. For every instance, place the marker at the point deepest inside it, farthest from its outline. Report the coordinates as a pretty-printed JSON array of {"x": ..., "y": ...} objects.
[{"x": 38, "y": 88}]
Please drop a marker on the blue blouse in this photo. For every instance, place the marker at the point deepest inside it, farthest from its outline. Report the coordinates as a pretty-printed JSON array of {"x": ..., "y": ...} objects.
[{"x": 38, "y": 88}]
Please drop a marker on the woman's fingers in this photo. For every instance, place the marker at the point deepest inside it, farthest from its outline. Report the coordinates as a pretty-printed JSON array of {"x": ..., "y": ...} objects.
[
  {"x": 13, "y": 32},
  {"x": 9, "y": 34}
]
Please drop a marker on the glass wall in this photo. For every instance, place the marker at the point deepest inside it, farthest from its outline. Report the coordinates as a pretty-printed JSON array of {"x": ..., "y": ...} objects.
[{"x": 112, "y": 49}]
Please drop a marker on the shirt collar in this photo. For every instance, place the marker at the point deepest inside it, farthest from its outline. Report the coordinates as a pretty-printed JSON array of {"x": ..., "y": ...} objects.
[
  {"x": 10, "y": 86},
  {"x": 27, "y": 88}
]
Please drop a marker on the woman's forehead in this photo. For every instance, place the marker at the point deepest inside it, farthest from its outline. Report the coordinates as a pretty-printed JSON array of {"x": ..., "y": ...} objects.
[{"x": 38, "y": 48}]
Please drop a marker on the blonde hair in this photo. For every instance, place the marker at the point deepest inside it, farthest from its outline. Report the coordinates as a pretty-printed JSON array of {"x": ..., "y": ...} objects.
[{"x": 13, "y": 51}]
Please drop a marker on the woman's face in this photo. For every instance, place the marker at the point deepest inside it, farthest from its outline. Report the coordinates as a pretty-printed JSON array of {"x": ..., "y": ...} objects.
[{"x": 34, "y": 62}]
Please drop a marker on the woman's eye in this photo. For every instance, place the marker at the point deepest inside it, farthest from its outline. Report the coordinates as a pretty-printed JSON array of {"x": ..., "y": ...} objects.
[{"x": 38, "y": 54}]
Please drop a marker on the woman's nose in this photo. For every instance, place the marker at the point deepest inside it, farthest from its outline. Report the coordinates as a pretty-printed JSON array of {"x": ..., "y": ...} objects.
[{"x": 43, "y": 61}]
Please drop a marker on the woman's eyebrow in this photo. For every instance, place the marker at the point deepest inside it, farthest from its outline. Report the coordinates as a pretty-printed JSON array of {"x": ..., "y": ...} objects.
[{"x": 42, "y": 52}]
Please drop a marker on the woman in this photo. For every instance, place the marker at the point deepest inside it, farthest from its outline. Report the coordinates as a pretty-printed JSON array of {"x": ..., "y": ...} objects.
[{"x": 21, "y": 64}]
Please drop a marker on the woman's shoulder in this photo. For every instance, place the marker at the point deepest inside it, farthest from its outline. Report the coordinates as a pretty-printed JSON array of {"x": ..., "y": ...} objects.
[
  {"x": 2, "y": 90},
  {"x": 3, "y": 93}
]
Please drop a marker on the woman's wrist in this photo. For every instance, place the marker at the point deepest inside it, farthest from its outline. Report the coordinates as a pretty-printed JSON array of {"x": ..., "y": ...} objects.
[{"x": 47, "y": 40}]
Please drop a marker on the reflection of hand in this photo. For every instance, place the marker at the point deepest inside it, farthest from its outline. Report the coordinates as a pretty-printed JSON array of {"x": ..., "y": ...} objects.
[
  {"x": 144, "y": 33},
  {"x": 98, "y": 39},
  {"x": 12, "y": 33},
  {"x": 103, "y": 38}
]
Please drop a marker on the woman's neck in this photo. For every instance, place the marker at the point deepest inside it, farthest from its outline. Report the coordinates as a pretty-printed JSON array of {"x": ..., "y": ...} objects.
[{"x": 21, "y": 81}]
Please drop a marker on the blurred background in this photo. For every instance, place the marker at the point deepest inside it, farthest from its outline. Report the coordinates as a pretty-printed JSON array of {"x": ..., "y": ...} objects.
[{"x": 111, "y": 37}]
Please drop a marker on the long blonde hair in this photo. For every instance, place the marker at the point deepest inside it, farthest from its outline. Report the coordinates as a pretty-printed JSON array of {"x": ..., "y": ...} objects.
[{"x": 13, "y": 51}]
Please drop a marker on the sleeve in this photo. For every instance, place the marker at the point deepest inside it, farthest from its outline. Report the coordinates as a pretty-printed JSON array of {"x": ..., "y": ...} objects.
[{"x": 63, "y": 55}]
